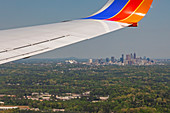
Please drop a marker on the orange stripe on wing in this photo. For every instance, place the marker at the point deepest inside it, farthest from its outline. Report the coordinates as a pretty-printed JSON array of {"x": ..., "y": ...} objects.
[
  {"x": 127, "y": 11},
  {"x": 134, "y": 12},
  {"x": 139, "y": 13}
]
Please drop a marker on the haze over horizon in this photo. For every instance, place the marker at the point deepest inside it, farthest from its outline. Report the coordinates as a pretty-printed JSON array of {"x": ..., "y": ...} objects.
[{"x": 151, "y": 38}]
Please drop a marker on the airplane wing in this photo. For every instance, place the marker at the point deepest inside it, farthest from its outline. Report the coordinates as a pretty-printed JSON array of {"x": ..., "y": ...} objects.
[{"x": 21, "y": 43}]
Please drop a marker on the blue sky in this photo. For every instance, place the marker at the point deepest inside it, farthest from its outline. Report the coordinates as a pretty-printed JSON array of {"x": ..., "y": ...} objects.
[{"x": 151, "y": 38}]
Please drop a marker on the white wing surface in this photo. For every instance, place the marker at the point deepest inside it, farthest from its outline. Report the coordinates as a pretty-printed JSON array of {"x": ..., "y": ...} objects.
[{"x": 25, "y": 42}]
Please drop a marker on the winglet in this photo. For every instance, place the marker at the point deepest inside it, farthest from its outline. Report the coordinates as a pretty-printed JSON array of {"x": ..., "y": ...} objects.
[{"x": 125, "y": 11}]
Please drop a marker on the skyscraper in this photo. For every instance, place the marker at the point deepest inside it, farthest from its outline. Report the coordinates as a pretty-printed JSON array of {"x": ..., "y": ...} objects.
[
  {"x": 97, "y": 61},
  {"x": 134, "y": 55},
  {"x": 131, "y": 56},
  {"x": 90, "y": 61},
  {"x": 107, "y": 60},
  {"x": 144, "y": 57},
  {"x": 101, "y": 61},
  {"x": 122, "y": 59},
  {"x": 128, "y": 57},
  {"x": 113, "y": 59}
]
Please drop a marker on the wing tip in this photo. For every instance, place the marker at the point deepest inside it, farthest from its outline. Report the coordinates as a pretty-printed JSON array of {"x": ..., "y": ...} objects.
[{"x": 125, "y": 11}]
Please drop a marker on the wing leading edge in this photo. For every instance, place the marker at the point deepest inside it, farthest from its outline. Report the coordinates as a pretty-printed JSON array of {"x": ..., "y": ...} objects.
[{"x": 21, "y": 43}]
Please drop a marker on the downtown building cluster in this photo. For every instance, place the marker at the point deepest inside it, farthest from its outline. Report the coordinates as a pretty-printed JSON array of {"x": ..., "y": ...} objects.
[{"x": 128, "y": 59}]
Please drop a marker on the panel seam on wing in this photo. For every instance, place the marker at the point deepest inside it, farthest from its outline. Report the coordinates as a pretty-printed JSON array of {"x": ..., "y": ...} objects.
[{"x": 37, "y": 43}]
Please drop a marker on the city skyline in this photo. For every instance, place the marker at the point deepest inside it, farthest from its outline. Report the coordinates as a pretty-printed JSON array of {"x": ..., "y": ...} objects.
[
  {"x": 125, "y": 59},
  {"x": 150, "y": 38}
]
